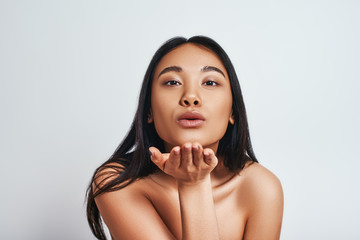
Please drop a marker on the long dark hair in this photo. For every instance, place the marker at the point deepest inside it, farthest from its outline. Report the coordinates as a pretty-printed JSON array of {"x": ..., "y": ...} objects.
[{"x": 131, "y": 159}]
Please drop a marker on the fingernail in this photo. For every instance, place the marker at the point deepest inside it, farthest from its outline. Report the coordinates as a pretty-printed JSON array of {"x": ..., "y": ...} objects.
[
  {"x": 177, "y": 150},
  {"x": 207, "y": 153},
  {"x": 151, "y": 153}
]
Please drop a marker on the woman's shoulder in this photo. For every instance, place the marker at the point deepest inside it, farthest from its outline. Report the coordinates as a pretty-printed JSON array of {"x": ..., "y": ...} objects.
[
  {"x": 106, "y": 174},
  {"x": 110, "y": 172},
  {"x": 262, "y": 197},
  {"x": 257, "y": 172},
  {"x": 125, "y": 208},
  {"x": 142, "y": 187},
  {"x": 260, "y": 184}
]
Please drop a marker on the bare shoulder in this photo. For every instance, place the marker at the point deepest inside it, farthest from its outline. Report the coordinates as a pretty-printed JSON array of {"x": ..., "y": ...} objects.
[
  {"x": 123, "y": 210},
  {"x": 105, "y": 174},
  {"x": 262, "y": 194},
  {"x": 260, "y": 181},
  {"x": 128, "y": 188}
]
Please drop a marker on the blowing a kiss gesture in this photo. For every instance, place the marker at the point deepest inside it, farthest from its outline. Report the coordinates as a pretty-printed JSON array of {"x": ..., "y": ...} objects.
[{"x": 189, "y": 164}]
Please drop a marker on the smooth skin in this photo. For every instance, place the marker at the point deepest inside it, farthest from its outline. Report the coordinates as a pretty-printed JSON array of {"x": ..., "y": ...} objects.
[{"x": 193, "y": 196}]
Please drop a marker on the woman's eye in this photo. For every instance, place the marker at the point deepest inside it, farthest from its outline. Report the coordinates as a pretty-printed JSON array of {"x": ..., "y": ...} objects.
[
  {"x": 210, "y": 83},
  {"x": 172, "y": 83}
]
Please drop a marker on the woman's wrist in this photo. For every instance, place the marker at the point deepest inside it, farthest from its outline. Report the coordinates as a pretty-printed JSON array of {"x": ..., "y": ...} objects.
[{"x": 194, "y": 185}]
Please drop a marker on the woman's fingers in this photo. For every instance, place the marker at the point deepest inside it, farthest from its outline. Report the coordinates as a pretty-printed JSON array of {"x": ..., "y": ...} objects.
[
  {"x": 174, "y": 158},
  {"x": 197, "y": 154},
  {"x": 210, "y": 158},
  {"x": 167, "y": 162},
  {"x": 158, "y": 158},
  {"x": 186, "y": 155},
  {"x": 183, "y": 160}
]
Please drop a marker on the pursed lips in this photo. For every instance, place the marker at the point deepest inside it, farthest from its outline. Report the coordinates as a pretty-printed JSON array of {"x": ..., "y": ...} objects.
[{"x": 191, "y": 119}]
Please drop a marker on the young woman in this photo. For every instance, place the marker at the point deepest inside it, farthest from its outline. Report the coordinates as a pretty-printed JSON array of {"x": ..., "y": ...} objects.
[{"x": 186, "y": 169}]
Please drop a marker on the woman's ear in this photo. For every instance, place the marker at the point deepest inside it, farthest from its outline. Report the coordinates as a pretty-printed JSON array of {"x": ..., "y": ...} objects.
[
  {"x": 231, "y": 119},
  {"x": 150, "y": 117}
]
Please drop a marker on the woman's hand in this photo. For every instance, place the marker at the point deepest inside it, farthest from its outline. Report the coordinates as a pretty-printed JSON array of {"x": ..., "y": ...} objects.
[{"x": 188, "y": 164}]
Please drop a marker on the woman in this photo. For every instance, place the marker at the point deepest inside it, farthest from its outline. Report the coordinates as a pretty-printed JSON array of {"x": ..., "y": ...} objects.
[{"x": 186, "y": 169}]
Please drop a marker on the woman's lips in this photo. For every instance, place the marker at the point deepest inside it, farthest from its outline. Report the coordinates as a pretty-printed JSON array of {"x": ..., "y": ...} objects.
[
  {"x": 190, "y": 123},
  {"x": 191, "y": 120}
]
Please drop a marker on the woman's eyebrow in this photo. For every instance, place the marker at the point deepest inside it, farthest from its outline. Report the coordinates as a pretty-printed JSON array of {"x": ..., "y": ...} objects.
[
  {"x": 179, "y": 69},
  {"x": 170, "y": 69},
  {"x": 212, "y": 68}
]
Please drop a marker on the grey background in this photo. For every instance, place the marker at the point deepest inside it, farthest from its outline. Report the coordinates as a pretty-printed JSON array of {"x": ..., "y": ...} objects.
[{"x": 71, "y": 71}]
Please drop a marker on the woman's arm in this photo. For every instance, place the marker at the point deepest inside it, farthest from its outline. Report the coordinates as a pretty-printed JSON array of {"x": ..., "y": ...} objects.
[
  {"x": 190, "y": 165},
  {"x": 198, "y": 216}
]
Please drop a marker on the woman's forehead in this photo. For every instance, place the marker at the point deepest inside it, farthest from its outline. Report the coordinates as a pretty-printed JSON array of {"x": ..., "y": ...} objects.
[{"x": 190, "y": 56}]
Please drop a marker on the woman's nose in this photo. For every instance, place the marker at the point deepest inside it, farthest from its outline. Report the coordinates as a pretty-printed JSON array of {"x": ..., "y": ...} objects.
[{"x": 190, "y": 100}]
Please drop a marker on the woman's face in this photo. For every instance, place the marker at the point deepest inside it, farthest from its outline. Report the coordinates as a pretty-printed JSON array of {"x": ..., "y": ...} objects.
[{"x": 191, "y": 97}]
